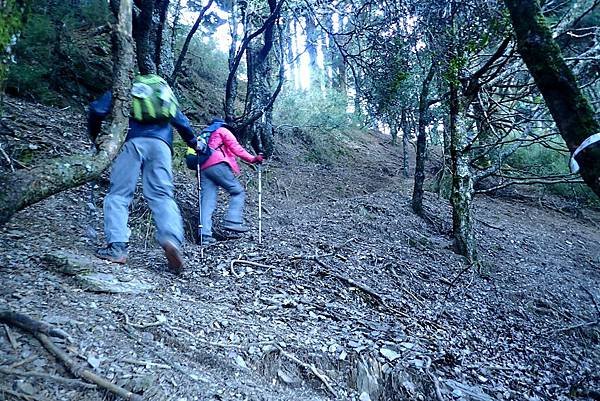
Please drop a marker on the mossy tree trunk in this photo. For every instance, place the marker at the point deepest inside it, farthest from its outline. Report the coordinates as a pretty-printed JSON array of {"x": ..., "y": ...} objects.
[
  {"x": 259, "y": 94},
  {"x": 27, "y": 187},
  {"x": 259, "y": 64},
  {"x": 424, "y": 104},
  {"x": 237, "y": 15},
  {"x": 570, "y": 110},
  {"x": 462, "y": 180}
]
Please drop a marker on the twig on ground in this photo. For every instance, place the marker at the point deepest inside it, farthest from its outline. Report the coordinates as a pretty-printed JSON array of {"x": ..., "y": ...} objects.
[
  {"x": 63, "y": 380},
  {"x": 310, "y": 367},
  {"x": 147, "y": 231},
  {"x": 11, "y": 338},
  {"x": 247, "y": 262},
  {"x": 337, "y": 248},
  {"x": 312, "y": 257},
  {"x": 8, "y": 159},
  {"x": 142, "y": 325},
  {"x": 340, "y": 257},
  {"x": 436, "y": 386},
  {"x": 147, "y": 364},
  {"x": 451, "y": 283},
  {"x": 577, "y": 326},
  {"x": 221, "y": 345},
  {"x": 148, "y": 347},
  {"x": 23, "y": 362},
  {"x": 485, "y": 223},
  {"x": 19, "y": 395},
  {"x": 593, "y": 301}
]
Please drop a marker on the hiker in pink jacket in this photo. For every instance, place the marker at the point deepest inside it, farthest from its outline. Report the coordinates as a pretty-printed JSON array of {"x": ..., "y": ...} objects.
[{"x": 219, "y": 171}]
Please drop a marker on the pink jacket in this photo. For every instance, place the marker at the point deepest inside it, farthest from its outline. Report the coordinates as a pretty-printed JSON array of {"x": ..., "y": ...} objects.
[{"x": 226, "y": 148}]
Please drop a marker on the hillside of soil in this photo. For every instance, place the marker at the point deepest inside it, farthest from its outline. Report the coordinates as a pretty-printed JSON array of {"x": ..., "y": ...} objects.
[{"x": 349, "y": 296}]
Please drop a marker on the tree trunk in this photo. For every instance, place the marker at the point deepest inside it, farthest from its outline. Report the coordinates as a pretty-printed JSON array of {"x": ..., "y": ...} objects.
[
  {"x": 188, "y": 40},
  {"x": 405, "y": 141},
  {"x": 462, "y": 182},
  {"x": 163, "y": 53},
  {"x": 143, "y": 27},
  {"x": 289, "y": 34},
  {"x": 570, "y": 110},
  {"x": 26, "y": 187},
  {"x": 311, "y": 50},
  {"x": 235, "y": 15},
  {"x": 417, "y": 198},
  {"x": 394, "y": 131},
  {"x": 259, "y": 94}
]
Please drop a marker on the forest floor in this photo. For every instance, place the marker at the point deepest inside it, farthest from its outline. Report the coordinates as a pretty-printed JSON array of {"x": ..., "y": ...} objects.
[{"x": 350, "y": 295}]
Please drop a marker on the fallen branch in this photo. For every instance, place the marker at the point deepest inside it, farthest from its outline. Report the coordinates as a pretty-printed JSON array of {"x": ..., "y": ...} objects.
[
  {"x": 40, "y": 331},
  {"x": 33, "y": 326},
  {"x": 63, "y": 380},
  {"x": 350, "y": 282},
  {"x": 84, "y": 373},
  {"x": 310, "y": 367}
]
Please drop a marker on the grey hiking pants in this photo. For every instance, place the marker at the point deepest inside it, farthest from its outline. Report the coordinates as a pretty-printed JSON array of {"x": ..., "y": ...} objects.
[
  {"x": 220, "y": 175},
  {"x": 152, "y": 157}
]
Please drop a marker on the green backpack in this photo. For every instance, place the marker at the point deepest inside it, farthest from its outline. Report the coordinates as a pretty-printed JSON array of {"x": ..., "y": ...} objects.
[{"x": 152, "y": 99}]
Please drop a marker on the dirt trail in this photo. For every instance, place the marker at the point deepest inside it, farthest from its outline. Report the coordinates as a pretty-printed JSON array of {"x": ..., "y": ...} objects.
[{"x": 348, "y": 281}]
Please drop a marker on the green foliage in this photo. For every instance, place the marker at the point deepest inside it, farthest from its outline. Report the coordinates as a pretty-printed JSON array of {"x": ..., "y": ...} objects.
[
  {"x": 455, "y": 66},
  {"x": 312, "y": 108},
  {"x": 53, "y": 54},
  {"x": 321, "y": 121},
  {"x": 12, "y": 14},
  {"x": 35, "y": 46},
  {"x": 538, "y": 160},
  {"x": 205, "y": 60}
]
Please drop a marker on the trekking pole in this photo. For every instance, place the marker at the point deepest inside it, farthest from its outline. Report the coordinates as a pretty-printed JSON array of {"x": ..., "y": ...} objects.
[
  {"x": 259, "y": 202},
  {"x": 199, "y": 210}
]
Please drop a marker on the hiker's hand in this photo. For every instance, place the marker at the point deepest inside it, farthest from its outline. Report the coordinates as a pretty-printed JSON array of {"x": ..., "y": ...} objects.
[
  {"x": 200, "y": 146},
  {"x": 258, "y": 159}
]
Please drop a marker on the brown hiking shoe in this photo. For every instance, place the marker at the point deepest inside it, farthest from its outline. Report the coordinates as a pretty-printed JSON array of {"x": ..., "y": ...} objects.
[
  {"x": 174, "y": 257},
  {"x": 115, "y": 252}
]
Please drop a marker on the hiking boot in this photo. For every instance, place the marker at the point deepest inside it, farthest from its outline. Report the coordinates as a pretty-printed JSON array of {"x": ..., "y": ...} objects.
[
  {"x": 115, "y": 252},
  {"x": 174, "y": 257},
  {"x": 237, "y": 227},
  {"x": 207, "y": 240}
]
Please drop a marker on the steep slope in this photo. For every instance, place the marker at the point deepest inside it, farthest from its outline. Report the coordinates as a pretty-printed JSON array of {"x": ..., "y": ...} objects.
[{"x": 349, "y": 293}]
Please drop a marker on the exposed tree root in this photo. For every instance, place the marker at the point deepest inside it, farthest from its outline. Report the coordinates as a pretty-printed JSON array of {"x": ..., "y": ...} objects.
[{"x": 41, "y": 330}]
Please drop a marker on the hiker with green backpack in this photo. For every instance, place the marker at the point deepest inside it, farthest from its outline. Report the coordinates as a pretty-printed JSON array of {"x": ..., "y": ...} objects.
[
  {"x": 219, "y": 168},
  {"x": 147, "y": 150}
]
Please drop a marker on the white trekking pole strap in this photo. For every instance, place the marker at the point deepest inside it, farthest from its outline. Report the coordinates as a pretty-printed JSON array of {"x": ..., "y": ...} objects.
[{"x": 589, "y": 141}]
